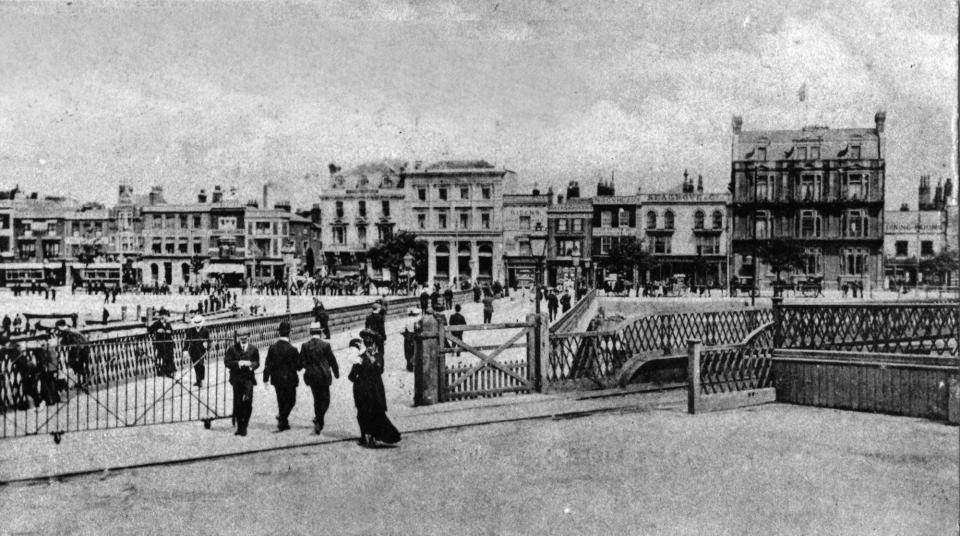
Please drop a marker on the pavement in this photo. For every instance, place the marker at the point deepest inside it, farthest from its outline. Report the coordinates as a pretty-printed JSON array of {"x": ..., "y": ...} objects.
[{"x": 39, "y": 457}]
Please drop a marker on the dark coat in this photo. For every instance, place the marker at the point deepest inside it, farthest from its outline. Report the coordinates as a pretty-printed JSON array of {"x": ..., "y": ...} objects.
[
  {"x": 240, "y": 375},
  {"x": 371, "y": 401},
  {"x": 374, "y": 323},
  {"x": 162, "y": 333},
  {"x": 318, "y": 363},
  {"x": 424, "y": 300},
  {"x": 552, "y": 300},
  {"x": 457, "y": 319},
  {"x": 195, "y": 339},
  {"x": 282, "y": 364}
]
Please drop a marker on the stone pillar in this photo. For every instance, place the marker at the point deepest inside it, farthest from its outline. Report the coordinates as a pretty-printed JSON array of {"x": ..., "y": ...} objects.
[
  {"x": 474, "y": 261},
  {"x": 454, "y": 262},
  {"x": 431, "y": 261},
  {"x": 497, "y": 271}
]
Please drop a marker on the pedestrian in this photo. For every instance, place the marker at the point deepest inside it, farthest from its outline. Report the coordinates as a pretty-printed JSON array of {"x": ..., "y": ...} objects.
[
  {"x": 565, "y": 301},
  {"x": 424, "y": 299},
  {"x": 321, "y": 316},
  {"x": 106, "y": 315},
  {"x": 48, "y": 363},
  {"x": 242, "y": 360},
  {"x": 409, "y": 337},
  {"x": 477, "y": 293},
  {"x": 197, "y": 340},
  {"x": 162, "y": 332},
  {"x": 17, "y": 322},
  {"x": 319, "y": 368},
  {"x": 6, "y": 324},
  {"x": 488, "y": 308},
  {"x": 457, "y": 319},
  {"x": 373, "y": 344},
  {"x": 552, "y": 304},
  {"x": 375, "y": 323},
  {"x": 448, "y": 297},
  {"x": 78, "y": 351},
  {"x": 370, "y": 398},
  {"x": 280, "y": 370}
]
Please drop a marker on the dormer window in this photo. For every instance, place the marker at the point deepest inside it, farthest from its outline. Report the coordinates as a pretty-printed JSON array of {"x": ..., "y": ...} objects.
[
  {"x": 761, "y": 153},
  {"x": 814, "y": 153}
]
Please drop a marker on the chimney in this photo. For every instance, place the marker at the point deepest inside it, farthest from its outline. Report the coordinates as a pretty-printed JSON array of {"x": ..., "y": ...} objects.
[
  {"x": 573, "y": 190},
  {"x": 282, "y": 205},
  {"x": 217, "y": 194},
  {"x": 699, "y": 184},
  {"x": 737, "y": 124},
  {"x": 948, "y": 190},
  {"x": 879, "y": 119},
  {"x": 202, "y": 197},
  {"x": 334, "y": 169},
  {"x": 315, "y": 213},
  {"x": 536, "y": 189},
  {"x": 938, "y": 196},
  {"x": 559, "y": 199},
  {"x": 266, "y": 189}
]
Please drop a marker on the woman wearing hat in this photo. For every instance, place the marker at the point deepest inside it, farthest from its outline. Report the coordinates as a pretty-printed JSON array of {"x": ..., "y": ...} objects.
[
  {"x": 370, "y": 398},
  {"x": 197, "y": 341}
]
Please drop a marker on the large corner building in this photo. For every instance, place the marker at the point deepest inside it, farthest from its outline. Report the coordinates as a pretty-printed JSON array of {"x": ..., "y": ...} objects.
[{"x": 821, "y": 187}]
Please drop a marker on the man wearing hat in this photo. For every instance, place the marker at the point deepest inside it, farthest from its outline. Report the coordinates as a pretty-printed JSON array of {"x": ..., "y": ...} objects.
[
  {"x": 375, "y": 322},
  {"x": 241, "y": 360},
  {"x": 162, "y": 333},
  {"x": 321, "y": 316},
  {"x": 197, "y": 341},
  {"x": 280, "y": 369},
  {"x": 319, "y": 368}
]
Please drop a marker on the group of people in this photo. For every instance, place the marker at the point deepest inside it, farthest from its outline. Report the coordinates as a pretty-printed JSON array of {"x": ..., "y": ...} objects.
[
  {"x": 316, "y": 359},
  {"x": 37, "y": 366}
]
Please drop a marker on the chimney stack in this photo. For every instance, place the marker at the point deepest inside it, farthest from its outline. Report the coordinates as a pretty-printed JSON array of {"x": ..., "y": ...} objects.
[
  {"x": 699, "y": 184},
  {"x": 217, "y": 194},
  {"x": 202, "y": 197},
  {"x": 266, "y": 189}
]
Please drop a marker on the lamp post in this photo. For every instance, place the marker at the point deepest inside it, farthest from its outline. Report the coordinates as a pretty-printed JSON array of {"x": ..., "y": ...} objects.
[
  {"x": 288, "y": 253},
  {"x": 408, "y": 265},
  {"x": 540, "y": 253}
]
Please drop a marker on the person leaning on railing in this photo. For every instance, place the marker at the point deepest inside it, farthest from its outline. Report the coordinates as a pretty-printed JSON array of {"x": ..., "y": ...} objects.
[{"x": 78, "y": 351}]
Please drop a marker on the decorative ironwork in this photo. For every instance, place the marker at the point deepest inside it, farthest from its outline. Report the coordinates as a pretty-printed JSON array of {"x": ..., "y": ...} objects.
[
  {"x": 908, "y": 328},
  {"x": 728, "y": 369}
]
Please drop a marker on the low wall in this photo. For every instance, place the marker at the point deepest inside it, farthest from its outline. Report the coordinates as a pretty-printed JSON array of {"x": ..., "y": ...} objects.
[{"x": 898, "y": 384}]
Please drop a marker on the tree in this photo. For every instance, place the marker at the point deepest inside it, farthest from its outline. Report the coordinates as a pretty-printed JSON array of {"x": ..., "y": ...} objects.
[
  {"x": 628, "y": 255},
  {"x": 781, "y": 255},
  {"x": 944, "y": 262},
  {"x": 390, "y": 253}
]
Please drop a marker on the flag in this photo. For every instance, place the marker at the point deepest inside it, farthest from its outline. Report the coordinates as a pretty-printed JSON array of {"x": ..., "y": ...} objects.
[
  {"x": 789, "y": 153},
  {"x": 803, "y": 92},
  {"x": 750, "y": 154},
  {"x": 843, "y": 152}
]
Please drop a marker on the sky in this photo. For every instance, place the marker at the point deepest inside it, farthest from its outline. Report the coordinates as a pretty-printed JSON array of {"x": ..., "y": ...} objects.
[{"x": 191, "y": 95}]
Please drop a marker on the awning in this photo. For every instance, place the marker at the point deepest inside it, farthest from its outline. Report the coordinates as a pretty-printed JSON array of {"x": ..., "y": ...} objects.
[
  {"x": 22, "y": 266},
  {"x": 220, "y": 268},
  {"x": 97, "y": 265}
]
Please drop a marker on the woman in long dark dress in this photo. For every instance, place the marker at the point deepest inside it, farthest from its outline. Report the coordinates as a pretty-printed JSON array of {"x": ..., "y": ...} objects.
[{"x": 370, "y": 398}]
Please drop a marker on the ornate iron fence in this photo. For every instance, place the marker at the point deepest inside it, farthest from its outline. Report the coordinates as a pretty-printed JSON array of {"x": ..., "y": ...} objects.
[
  {"x": 727, "y": 369},
  {"x": 908, "y": 328}
]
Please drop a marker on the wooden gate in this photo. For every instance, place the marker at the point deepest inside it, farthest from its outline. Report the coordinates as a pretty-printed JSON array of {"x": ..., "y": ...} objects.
[{"x": 487, "y": 360}]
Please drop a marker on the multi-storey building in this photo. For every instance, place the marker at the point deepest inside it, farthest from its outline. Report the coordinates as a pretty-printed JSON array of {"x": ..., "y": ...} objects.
[
  {"x": 267, "y": 235},
  {"x": 822, "y": 188},
  {"x": 306, "y": 230},
  {"x": 456, "y": 207},
  {"x": 361, "y": 207},
  {"x": 569, "y": 240},
  {"x": 525, "y": 237},
  {"x": 685, "y": 232},
  {"x": 615, "y": 217},
  {"x": 913, "y": 236}
]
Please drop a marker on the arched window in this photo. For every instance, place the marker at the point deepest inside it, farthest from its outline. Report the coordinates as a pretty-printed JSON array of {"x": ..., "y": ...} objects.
[
  {"x": 668, "y": 220},
  {"x": 698, "y": 219},
  {"x": 651, "y": 220},
  {"x": 717, "y": 219}
]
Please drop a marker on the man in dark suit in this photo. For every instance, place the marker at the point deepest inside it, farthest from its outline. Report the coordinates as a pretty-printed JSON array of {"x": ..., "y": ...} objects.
[
  {"x": 552, "y": 304},
  {"x": 196, "y": 341},
  {"x": 457, "y": 319},
  {"x": 280, "y": 369},
  {"x": 448, "y": 297},
  {"x": 162, "y": 333},
  {"x": 241, "y": 360},
  {"x": 375, "y": 323},
  {"x": 319, "y": 368},
  {"x": 320, "y": 315},
  {"x": 424, "y": 299}
]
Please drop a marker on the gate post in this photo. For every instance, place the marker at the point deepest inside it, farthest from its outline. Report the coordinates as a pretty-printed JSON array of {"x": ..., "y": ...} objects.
[
  {"x": 533, "y": 363},
  {"x": 777, "y": 321},
  {"x": 441, "y": 363},
  {"x": 693, "y": 375},
  {"x": 543, "y": 351},
  {"x": 425, "y": 381}
]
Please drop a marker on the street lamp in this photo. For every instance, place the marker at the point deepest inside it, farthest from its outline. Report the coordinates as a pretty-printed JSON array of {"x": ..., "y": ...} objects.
[{"x": 288, "y": 257}]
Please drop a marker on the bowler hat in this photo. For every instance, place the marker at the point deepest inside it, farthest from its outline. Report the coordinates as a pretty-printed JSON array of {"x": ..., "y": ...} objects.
[{"x": 284, "y": 328}]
